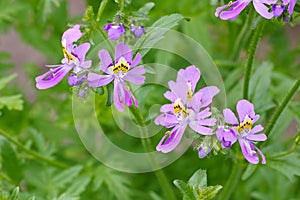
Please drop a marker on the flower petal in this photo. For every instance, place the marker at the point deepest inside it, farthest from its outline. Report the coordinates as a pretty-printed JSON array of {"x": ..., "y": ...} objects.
[
  {"x": 170, "y": 142},
  {"x": 207, "y": 122},
  {"x": 96, "y": 80},
  {"x": 106, "y": 61},
  {"x": 72, "y": 35},
  {"x": 191, "y": 74},
  {"x": 136, "y": 60},
  {"x": 201, "y": 129},
  {"x": 230, "y": 117},
  {"x": 170, "y": 96},
  {"x": 119, "y": 95},
  {"x": 263, "y": 158},
  {"x": 257, "y": 137},
  {"x": 248, "y": 151},
  {"x": 262, "y": 9},
  {"x": 257, "y": 128},
  {"x": 52, "y": 77},
  {"x": 123, "y": 50},
  {"x": 291, "y": 6},
  {"x": 203, "y": 97},
  {"x": 81, "y": 51},
  {"x": 245, "y": 108}
]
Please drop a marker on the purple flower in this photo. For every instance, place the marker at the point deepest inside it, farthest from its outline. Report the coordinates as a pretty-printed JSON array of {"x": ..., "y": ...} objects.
[
  {"x": 244, "y": 131},
  {"x": 226, "y": 136},
  {"x": 121, "y": 70},
  {"x": 137, "y": 31},
  {"x": 186, "y": 109},
  {"x": 115, "y": 31},
  {"x": 74, "y": 58},
  {"x": 233, "y": 9},
  {"x": 280, "y": 7}
]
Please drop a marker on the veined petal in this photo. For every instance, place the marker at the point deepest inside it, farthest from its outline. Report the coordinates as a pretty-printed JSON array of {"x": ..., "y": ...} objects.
[
  {"x": 170, "y": 141},
  {"x": 207, "y": 122},
  {"x": 257, "y": 137},
  {"x": 230, "y": 117},
  {"x": 248, "y": 151},
  {"x": 106, "y": 61},
  {"x": 203, "y": 97},
  {"x": 180, "y": 90},
  {"x": 262, "y": 9},
  {"x": 123, "y": 50},
  {"x": 244, "y": 108},
  {"x": 137, "y": 70},
  {"x": 234, "y": 11},
  {"x": 129, "y": 98},
  {"x": 167, "y": 108},
  {"x": 52, "y": 77},
  {"x": 96, "y": 80},
  {"x": 167, "y": 120}
]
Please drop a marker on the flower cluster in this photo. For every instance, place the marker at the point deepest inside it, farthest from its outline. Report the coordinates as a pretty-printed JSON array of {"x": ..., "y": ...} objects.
[
  {"x": 266, "y": 8},
  {"x": 74, "y": 59},
  {"x": 116, "y": 30},
  {"x": 187, "y": 108},
  {"x": 190, "y": 108}
]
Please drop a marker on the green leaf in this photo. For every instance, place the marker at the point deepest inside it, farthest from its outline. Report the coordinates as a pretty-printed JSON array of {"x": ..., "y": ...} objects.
[
  {"x": 209, "y": 192},
  {"x": 8, "y": 12},
  {"x": 66, "y": 176},
  {"x": 110, "y": 96},
  {"x": 46, "y": 7},
  {"x": 115, "y": 182},
  {"x": 186, "y": 190},
  {"x": 142, "y": 13},
  {"x": 5, "y": 80},
  {"x": 12, "y": 102},
  {"x": 78, "y": 186},
  {"x": 11, "y": 165},
  {"x": 15, "y": 194},
  {"x": 249, "y": 171},
  {"x": 289, "y": 166},
  {"x": 199, "y": 179},
  {"x": 157, "y": 32}
]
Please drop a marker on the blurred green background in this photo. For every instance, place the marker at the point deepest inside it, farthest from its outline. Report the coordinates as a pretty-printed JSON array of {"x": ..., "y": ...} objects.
[{"x": 42, "y": 121}]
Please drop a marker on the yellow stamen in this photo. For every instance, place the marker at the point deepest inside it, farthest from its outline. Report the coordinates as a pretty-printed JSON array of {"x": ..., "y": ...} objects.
[
  {"x": 122, "y": 65},
  {"x": 246, "y": 124}
]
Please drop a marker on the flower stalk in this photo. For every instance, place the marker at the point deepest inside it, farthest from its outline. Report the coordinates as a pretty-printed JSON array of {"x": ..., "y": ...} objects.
[
  {"x": 252, "y": 51},
  {"x": 33, "y": 153},
  {"x": 160, "y": 175}
]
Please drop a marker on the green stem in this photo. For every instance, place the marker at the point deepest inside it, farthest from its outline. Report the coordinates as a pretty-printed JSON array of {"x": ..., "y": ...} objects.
[
  {"x": 282, "y": 106},
  {"x": 252, "y": 50},
  {"x": 121, "y": 5},
  {"x": 33, "y": 153},
  {"x": 243, "y": 35},
  {"x": 106, "y": 38},
  {"x": 101, "y": 9},
  {"x": 292, "y": 149},
  {"x": 146, "y": 142},
  {"x": 232, "y": 181}
]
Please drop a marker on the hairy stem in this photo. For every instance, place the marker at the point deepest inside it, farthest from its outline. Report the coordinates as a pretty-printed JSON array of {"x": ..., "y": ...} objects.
[
  {"x": 243, "y": 36},
  {"x": 146, "y": 142},
  {"x": 33, "y": 153},
  {"x": 282, "y": 106},
  {"x": 101, "y": 9},
  {"x": 251, "y": 54},
  {"x": 232, "y": 182}
]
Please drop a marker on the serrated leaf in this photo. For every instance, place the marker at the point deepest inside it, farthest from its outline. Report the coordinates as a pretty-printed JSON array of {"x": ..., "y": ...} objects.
[
  {"x": 157, "y": 32},
  {"x": 5, "y": 80},
  {"x": 15, "y": 194},
  {"x": 116, "y": 183},
  {"x": 289, "y": 165},
  {"x": 209, "y": 192},
  {"x": 10, "y": 163},
  {"x": 66, "y": 176},
  {"x": 12, "y": 102},
  {"x": 199, "y": 179},
  {"x": 186, "y": 190},
  {"x": 78, "y": 186}
]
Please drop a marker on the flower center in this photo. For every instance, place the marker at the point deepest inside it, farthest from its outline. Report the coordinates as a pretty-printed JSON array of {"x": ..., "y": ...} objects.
[
  {"x": 121, "y": 68},
  {"x": 69, "y": 56},
  {"x": 179, "y": 110},
  {"x": 245, "y": 126},
  {"x": 190, "y": 92}
]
